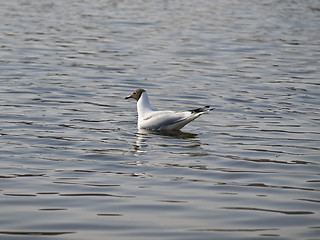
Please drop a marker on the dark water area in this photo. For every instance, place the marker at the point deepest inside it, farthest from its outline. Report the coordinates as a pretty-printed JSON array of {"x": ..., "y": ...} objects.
[{"x": 73, "y": 165}]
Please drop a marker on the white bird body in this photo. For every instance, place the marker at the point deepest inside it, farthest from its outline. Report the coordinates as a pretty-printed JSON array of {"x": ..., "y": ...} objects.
[{"x": 152, "y": 119}]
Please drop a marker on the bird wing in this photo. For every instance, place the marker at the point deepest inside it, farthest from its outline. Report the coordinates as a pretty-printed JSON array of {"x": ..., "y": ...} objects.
[
  {"x": 170, "y": 120},
  {"x": 157, "y": 119}
]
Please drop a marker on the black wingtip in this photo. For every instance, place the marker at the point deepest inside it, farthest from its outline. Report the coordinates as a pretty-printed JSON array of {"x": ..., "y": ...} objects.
[
  {"x": 203, "y": 109},
  {"x": 209, "y": 108}
]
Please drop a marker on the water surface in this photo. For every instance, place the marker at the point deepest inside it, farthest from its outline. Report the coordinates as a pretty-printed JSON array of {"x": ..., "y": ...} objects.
[{"x": 73, "y": 164}]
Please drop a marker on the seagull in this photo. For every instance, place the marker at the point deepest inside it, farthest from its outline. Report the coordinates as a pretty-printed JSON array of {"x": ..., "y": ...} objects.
[{"x": 152, "y": 119}]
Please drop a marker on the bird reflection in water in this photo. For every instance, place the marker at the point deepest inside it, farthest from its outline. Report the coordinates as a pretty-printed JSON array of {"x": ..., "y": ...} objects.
[{"x": 143, "y": 135}]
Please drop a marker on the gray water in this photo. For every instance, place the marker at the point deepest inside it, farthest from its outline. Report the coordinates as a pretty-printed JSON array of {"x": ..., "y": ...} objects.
[{"x": 73, "y": 164}]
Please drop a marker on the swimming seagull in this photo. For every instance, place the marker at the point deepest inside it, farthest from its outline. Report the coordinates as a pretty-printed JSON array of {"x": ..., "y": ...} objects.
[{"x": 152, "y": 119}]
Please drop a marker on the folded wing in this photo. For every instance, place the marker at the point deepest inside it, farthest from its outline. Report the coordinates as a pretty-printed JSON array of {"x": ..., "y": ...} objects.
[{"x": 170, "y": 120}]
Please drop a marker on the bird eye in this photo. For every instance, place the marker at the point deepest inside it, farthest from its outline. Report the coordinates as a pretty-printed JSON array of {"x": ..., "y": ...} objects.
[{"x": 134, "y": 93}]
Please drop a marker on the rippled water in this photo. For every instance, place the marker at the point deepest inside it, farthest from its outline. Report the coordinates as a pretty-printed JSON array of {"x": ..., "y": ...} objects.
[{"x": 74, "y": 166}]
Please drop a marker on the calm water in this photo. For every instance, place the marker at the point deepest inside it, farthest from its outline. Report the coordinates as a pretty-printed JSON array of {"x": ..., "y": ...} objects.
[{"x": 74, "y": 166}]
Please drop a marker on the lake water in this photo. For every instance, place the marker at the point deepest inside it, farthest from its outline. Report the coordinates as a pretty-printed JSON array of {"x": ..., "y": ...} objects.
[{"x": 73, "y": 164}]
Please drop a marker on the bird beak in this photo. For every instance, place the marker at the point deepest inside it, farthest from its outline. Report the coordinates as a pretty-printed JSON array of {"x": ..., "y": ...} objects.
[{"x": 127, "y": 97}]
